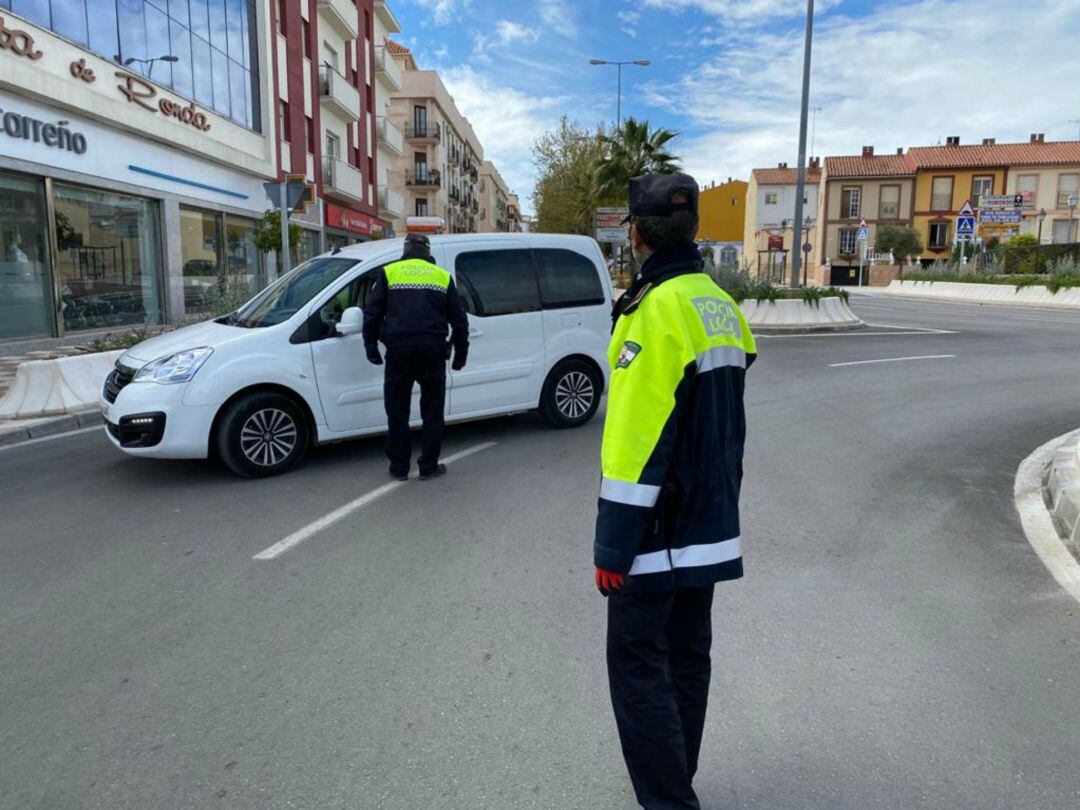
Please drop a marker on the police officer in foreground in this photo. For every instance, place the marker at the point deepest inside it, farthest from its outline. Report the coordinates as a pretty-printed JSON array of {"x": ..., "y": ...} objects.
[
  {"x": 668, "y": 522},
  {"x": 412, "y": 306}
]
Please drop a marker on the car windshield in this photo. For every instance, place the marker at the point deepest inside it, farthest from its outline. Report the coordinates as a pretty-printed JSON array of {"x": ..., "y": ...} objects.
[{"x": 286, "y": 296}]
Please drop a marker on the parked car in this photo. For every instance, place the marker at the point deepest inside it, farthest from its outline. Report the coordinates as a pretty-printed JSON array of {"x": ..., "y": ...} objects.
[{"x": 287, "y": 370}]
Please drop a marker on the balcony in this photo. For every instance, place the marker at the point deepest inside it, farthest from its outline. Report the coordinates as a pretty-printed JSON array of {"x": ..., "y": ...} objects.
[
  {"x": 342, "y": 179},
  {"x": 387, "y": 69},
  {"x": 391, "y": 203},
  {"x": 338, "y": 96},
  {"x": 386, "y": 17},
  {"x": 427, "y": 133},
  {"x": 389, "y": 135},
  {"x": 423, "y": 178},
  {"x": 342, "y": 16}
]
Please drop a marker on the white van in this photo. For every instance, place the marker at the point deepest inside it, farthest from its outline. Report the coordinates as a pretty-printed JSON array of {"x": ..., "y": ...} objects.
[{"x": 288, "y": 369}]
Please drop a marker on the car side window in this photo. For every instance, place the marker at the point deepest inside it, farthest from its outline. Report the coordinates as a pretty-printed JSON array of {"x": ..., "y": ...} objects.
[
  {"x": 497, "y": 282},
  {"x": 353, "y": 294},
  {"x": 567, "y": 279}
]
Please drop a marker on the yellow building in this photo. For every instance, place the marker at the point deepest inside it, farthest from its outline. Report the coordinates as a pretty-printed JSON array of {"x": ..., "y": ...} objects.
[{"x": 722, "y": 209}]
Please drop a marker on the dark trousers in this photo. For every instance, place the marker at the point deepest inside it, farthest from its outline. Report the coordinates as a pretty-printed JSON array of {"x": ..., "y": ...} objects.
[
  {"x": 658, "y": 668},
  {"x": 406, "y": 366}
]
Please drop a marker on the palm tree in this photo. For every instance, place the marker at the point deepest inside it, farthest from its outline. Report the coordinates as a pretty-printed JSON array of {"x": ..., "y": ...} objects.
[{"x": 632, "y": 151}]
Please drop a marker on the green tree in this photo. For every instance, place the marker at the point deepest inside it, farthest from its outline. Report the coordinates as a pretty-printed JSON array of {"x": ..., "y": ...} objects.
[
  {"x": 634, "y": 150},
  {"x": 1022, "y": 240},
  {"x": 899, "y": 241},
  {"x": 563, "y": 197},
  {"x": 268, "y": 233}
]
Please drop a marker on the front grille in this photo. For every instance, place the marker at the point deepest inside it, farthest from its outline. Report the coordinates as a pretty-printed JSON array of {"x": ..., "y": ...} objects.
[{"x": 117, "y": 380}]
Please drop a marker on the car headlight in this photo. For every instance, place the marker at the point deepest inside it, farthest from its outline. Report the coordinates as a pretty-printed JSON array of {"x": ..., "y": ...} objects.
[{"x": 176, "y": 368}]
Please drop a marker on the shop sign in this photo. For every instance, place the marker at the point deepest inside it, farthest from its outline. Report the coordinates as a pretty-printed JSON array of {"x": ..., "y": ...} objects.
[
  {"x": 139, "y": 92},
  {"x": 17, "y": 41},
  {"x": 57, "y": 135},
  {"x": 354, "y": 221}
]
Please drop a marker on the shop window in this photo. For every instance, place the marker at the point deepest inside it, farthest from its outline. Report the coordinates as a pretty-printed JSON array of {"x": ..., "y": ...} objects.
[
  {"x": 222, "y": 268},
  {"x": 109, "y": 259},
  {"x": 25, "y": 298}
]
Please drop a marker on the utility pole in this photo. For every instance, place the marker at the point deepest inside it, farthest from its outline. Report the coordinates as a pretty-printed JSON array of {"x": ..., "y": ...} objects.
[
  {"x": 619, "y": 67},
  {"x": 800, "y": 182},
  {"x": 813, "y": 127}
]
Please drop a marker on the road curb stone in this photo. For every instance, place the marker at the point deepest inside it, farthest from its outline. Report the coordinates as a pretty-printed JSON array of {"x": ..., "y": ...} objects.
[
  {"x": 40, "y": 428},
  {"x": 1061, "y": 488}
]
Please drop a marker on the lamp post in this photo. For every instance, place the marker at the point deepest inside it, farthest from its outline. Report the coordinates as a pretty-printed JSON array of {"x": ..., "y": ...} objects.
[
  {"x": 619, "y": 67},
  {"x": 1038, "y": 245},
  {"x": 800, "y": 177},
  {"x": 806, "y": 253},
  {"x": 1073, "y": 200}
]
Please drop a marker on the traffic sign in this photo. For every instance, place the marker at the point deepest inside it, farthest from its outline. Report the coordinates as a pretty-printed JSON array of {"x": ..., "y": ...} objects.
[
  {"x": 1001, "y": 202},
  {"x": 967, "y": 210},
  {"x": 965, "y": 223},
  {"x": 863, "y": 234},
  {"x": 1073, "y": 200},
  {"x": 807, "y": 247}
]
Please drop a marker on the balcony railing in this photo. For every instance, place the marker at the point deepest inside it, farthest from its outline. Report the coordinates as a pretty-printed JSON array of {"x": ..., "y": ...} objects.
[
  {"x": 338, "y": 95},
  {"x": 391, "y": 203},
  {"x": 390, "y": 135},
  {"x": 425, "y": 132},
  {"x": 387, "y": 68},
  {"x": 342, "y": 179},
  {"x": 426, "y": 178}
]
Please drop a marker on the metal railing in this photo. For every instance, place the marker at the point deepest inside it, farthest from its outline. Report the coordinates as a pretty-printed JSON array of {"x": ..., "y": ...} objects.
[
  {"x": 431, "y": 132},
  {"x": 424, "y": 177}
]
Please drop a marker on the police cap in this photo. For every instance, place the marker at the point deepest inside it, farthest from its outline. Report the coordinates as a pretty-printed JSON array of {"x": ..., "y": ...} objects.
[{"x": 653, "y": 195}]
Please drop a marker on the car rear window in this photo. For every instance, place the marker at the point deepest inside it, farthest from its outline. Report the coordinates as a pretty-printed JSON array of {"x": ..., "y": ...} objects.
[
  {"x": 567, "y": 279},
  {"x": 497, "y": 282}
]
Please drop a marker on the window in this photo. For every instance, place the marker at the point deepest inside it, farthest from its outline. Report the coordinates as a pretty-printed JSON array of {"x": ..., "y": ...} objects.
[
  {"x": 331, "y": 58},
  {"x": 980, "y": 185},
  {"x": 941, "y": 194},
  {"x": 1027, "y": 186},
  {"x": 284, "y": 130},
  {"x": 497, "y": 282},
  {"x": 26, "y": 301},
  {"x": 286, "y": 296},
  {"x": 305, "y": 28},
  {"x": 1067, "y": 185},
  {"x": 420, "y": 122},
  {"x": 939, "y": 235},
  {"x": 222, "y": 268},
  {"x": 333, "y": 145},
  {"x": 1062, "y": 232},
  {"x": 889, "y": 205},
  {"x": 847, "y": 241},
  {"x": 851, "y": 202},
  {"x": 353, "y": 294},
  {"x": 310, "y": 135},
  {"x": 772, "y": 197},
  {"x": 421, "y": 208},
  {"x": 567, "y": 279}
]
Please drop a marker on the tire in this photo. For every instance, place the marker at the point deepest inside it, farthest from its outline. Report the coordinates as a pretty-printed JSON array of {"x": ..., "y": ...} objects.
[
  {"x": 571, "y": 394},
  {"x": 262, "y": 434}
]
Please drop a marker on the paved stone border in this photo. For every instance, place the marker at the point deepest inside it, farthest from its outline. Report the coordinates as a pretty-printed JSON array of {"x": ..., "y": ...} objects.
[
  {"x": 21, "y": 430},
  {"x": 1037, "y": 296},
  {"x": 1061, "y": 492},
  {"x": 797, "y": 315}
]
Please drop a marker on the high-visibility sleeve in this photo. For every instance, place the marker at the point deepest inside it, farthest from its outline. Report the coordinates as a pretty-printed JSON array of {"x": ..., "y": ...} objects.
[{"x": 653, "y": 364}]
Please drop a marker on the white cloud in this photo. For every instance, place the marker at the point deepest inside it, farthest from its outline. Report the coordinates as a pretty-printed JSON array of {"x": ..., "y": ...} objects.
[
  {"x": 926, "y": 80},
  {"x": 742, "y": 9},
  {"x": 507, "y": 33},
  {"x": 558, "y": 16},
  {"x": 629, "y": 20},
  {"x": 507, "y": 122},
  {"x": 444, "y": 11}
]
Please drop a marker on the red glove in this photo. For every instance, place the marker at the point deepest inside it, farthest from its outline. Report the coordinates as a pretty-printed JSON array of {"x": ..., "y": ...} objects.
[{"x": 608, "y": 581}]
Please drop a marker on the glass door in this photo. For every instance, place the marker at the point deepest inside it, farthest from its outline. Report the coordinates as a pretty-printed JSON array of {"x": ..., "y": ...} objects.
[{"x": 25, "y": 286}]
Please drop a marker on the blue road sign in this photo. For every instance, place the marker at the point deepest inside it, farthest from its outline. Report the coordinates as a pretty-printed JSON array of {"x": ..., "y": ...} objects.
[
  {"x": 965, "y": 226},
  {"x": 863, "y": 235}
]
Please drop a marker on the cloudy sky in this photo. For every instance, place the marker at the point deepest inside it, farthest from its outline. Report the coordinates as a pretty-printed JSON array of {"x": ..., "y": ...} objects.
[{"x": 726, "y": 74}]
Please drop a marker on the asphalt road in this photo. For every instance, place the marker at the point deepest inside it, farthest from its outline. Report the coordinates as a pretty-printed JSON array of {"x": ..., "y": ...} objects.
[{"x": 895, "y": 644}]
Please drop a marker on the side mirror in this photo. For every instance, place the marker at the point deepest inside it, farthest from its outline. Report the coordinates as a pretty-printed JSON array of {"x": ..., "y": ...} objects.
[{"x": 351, "y": 323}]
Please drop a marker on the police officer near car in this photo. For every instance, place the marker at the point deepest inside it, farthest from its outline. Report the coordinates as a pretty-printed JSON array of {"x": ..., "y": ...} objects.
[
  {"x": 667, "y": 527},
  {"x": 412, "y": 307}
]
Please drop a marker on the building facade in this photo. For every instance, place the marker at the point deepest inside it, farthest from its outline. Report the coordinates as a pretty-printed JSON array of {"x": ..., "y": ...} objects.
[
  {"x": 722, "y": 212},
  {"x": 389, "y": 138},
  {"x": 770, "y": 213},
  {"x": 134, "y": 142},
  {"x": 324, "y": 80},
  {"x": 439, "y": 172},
  {"x": 494, "y": 200},
  {"x": 876, "y": 188}
]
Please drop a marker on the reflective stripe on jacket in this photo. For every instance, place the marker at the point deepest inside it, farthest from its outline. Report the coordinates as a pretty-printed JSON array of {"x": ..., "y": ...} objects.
[
  {"x": 415, "y": 303},
  {"x": 674, "y": 435}
]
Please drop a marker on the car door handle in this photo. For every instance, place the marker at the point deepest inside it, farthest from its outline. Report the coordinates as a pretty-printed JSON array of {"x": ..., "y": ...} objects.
[{"x": 475, "y": 333}]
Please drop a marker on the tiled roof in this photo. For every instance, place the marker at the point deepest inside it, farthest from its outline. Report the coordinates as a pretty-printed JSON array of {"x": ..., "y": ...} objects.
[
  {"x": 784, "y": 177},
  {"x": 396, "y": 48},
  {"x": 869, "y": 166},
  {"x": 1003, "y": 154}
]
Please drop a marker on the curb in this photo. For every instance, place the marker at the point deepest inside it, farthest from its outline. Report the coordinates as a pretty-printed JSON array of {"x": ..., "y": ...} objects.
[
  {"x": 1061, "y": 491},
  {"x": 68, "y": 385},
  {"x": 987, "y": 294},
  {"x": 41, "y": 428},
  {"x": 796, "y": 315}
]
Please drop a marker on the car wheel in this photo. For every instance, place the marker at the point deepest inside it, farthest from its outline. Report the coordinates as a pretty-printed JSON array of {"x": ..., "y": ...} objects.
[
  {"x": 262, "y": 434},
  {"x": 571, "y": 395}
]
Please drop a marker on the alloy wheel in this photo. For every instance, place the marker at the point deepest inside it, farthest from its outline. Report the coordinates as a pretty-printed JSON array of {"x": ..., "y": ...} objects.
[
  {"x": 574, "y": 395},
  {"x": 268, "y": 437}
]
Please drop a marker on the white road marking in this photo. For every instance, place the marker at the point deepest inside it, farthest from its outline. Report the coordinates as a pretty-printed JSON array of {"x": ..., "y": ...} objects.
[
  {"x": 893, "y": 360},
  {"x": 329, "y": 519},
  {"x": 1038, "y": 527},
  {"x": 51, "y": 438},
  {"x": 927, "y": 329}
]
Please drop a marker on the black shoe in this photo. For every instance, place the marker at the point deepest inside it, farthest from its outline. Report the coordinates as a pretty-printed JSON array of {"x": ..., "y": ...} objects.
[
  {"x": 438, "y": 472},
  {"x": 399, "y": 476}
]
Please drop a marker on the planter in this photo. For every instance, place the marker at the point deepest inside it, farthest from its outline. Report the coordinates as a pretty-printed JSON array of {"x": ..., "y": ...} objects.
[
  {"x": 796, "y": 315},
  {"x": 1068, "y": 298},
  {"x": 55, "y": 387}
]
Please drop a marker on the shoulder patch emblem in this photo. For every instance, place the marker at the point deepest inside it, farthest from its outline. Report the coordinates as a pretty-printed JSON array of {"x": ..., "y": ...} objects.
[{"x": 630, "y": 351}]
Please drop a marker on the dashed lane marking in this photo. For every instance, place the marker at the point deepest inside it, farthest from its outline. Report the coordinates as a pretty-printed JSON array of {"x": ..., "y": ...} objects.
[{"x": 893, "y": 360}]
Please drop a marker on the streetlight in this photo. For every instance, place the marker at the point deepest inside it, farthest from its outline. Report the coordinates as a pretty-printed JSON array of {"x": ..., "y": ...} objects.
[
  {"x": 1038, "y": 246},
  {"x": 800, "y": 177},
  {"x": 1073, "y": 200},
  {"x": 619, "y": 66},
  {"x": 806, "y": 259},
  {"x": 150, "y": 62}
]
